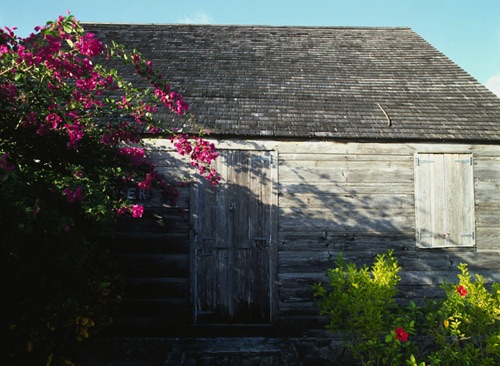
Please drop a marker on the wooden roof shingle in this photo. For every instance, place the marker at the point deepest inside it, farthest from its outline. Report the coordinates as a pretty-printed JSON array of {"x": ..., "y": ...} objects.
[{"x": 322, "y": 82}]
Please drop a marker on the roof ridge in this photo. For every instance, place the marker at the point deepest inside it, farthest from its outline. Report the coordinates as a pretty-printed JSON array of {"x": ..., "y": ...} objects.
[{"x": 338, "y": 27}]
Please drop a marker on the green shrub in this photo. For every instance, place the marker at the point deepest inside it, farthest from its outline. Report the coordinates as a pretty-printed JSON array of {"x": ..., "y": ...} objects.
[
  {"x": 61, "y": 292},
  {"x": 465, "y": 325},
  {"x": 460, "y": 329}
]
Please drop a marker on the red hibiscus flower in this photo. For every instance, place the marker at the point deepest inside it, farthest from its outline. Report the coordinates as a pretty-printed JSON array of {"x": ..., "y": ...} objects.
[
  {"x": 401, "y": 334},
  {"x": 462, "y": 291}
]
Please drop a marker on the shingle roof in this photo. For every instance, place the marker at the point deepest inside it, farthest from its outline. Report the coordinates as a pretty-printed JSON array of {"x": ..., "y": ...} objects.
[{"x": 323, "y": 82}]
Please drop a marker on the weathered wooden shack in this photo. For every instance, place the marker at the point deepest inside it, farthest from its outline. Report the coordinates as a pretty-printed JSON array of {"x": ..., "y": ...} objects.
[{"x": 353, "y": 140}]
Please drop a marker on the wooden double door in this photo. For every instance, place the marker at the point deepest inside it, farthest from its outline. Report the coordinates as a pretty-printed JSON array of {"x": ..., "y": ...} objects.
[{"x": 233, "y": 250}]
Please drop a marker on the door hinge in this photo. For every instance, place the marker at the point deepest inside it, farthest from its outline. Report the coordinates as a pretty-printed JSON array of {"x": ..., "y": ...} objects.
[
  {"x": 262, "y": 241},
  {"x": 267, "y": 158},
  {"x": 203, "y": 252},
  {"x": 202, "y": 240}
]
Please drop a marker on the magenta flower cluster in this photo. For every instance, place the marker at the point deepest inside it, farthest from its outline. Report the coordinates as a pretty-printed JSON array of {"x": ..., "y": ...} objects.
[
  {"x": 79, "y": 103},
  {"x": 73, "y": 196},
  {"x": 134, "y": 154},
  {"x": 5, "y": 165},
  {"x": 172, "y": 100},
  {"x": 89, "y": 45},
  {"x": 202, "y": 154}
]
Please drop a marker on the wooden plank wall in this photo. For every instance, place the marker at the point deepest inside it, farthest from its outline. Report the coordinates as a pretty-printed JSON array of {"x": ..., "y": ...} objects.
[
  {"x": 358, "y": 199},
  {"x": 354, "y": 198},
  {"x": 153, "y": 254}
]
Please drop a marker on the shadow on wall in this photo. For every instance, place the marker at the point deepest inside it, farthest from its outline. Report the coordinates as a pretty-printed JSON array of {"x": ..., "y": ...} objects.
[{"x": 271, "y": 229}]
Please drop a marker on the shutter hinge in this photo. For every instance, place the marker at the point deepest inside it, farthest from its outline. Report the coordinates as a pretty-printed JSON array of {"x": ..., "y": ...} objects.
[
  {"x": 422, "y": 236},
  {"x": 470, "y": 235},
  {"x": 465, "y": 161},
  {"x": 419, "y": 161}
]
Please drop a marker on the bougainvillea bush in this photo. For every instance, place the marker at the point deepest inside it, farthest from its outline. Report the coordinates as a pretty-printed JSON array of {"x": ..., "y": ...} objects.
[
  {"x": 462, "y": 328},
  {"x": 71, "y": 133}
]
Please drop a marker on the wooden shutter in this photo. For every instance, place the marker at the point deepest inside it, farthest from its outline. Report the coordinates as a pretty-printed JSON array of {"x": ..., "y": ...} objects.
[{"x": 444, "y": 200}]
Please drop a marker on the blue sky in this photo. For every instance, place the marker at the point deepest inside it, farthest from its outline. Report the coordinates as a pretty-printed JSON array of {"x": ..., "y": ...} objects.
[{"x": 467, "y": 31}]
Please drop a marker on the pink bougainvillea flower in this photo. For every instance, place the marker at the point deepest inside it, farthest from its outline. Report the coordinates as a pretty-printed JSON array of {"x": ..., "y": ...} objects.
[
  {"x": 53, "y": 120},
  {"x": 121, "y": 211},
  {"x": 4, "y": 163},
  {"x": 43, "y": 129},
  {"x": 89, "y": 45},
  {"x": 147, "y": 182},
  {"x": 75, "y": 133},
  {"x": 401, "y": 334},
  {"x": 74, "y": 196},
  {"x": 136, "y": 155},
  {"x": 462, "y": 291},
  {"x": 137, "y": 211}
]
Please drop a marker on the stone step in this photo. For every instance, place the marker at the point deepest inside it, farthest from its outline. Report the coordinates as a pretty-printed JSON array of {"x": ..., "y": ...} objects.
[
  {"x": 233, "y": 351},
  {"x": 220, "y": 351}
]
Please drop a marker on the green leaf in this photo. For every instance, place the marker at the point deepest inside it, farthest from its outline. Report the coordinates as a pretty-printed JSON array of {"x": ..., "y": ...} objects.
[{"x": 67, "y": 28}]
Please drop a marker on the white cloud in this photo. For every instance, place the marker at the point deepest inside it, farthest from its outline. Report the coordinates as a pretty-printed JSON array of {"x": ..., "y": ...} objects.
[
  {"x": 198, "y": 18},
  {"x": 493, "y": 84}
]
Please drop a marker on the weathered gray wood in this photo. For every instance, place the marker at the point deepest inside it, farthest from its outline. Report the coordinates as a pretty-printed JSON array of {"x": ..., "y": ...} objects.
[
  {"x": 444, "y": 197},
  {"x": 339, "y": 157},
  {"x": 233, "y": 256},
  {"x": 343, "y": 213},
  {"x": 344, "y": 221},
  {"x": 408, "y": 149},
  {"x": 302, "y": 262},
  {"x": 347, "y": 188},
  {"x": 487, "y": 191},
  {"x": 344, "y": 242},
  {"x": 487, "y": 218},
  {"x": 366, "y": 173},
  {"x": 488, "y": 238},
  {"x": 317, "y": 147},
  {"x": 317, "y": 199},
  {"x": 354, "y": 198}
]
